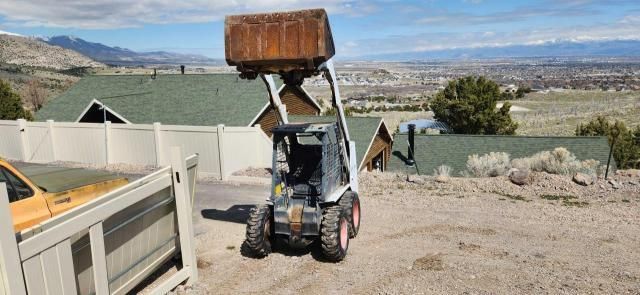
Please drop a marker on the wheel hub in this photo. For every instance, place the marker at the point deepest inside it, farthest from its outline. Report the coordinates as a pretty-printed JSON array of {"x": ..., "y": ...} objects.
[
  {"x": 356, "y": 214},
  {"x": 344, "y": 234}
]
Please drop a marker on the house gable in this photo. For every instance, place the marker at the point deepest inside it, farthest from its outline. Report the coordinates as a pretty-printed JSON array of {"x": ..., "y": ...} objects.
[
  {"x": 96, "y": 112},
  {"x": 297, "y": 102}
]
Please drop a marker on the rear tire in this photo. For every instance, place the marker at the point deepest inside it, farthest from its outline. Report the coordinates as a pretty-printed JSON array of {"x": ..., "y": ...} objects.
[
  {"x": 334, "y": 233},
  {"x": 260, "y": 232},
  {"x": 350, "y": 202}
]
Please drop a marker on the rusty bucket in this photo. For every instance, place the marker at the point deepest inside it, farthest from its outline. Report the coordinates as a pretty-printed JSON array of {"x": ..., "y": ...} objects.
[{"x": 278, "y": 42}]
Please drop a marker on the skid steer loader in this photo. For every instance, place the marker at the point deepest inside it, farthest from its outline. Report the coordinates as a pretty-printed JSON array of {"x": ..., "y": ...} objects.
[{"x": 314, "y": 195}]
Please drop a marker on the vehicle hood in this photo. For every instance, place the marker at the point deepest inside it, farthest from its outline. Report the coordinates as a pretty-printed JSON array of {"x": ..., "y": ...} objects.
[{"x": 58, "y": 179}]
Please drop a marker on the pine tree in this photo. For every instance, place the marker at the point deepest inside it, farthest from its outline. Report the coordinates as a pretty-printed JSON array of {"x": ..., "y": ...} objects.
[
  {"x": 11, "y": 105},
  {"x": 468, "y": 106}
]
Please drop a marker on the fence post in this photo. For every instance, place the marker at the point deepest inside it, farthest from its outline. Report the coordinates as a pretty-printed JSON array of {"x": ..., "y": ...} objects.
[
  {"x": 156, "y": 136},
  {"x": 10, "y": 267},
  {"x": 98, "y": 259},
  {"x": 107, "y": 142},
  {"x": 24, "y": 144},
  {"x": 220, "y": 133},
  {"x": 258, "y": 149},
  {"x": 184, "y": 211},
  {"x": 52, "y": 141}
]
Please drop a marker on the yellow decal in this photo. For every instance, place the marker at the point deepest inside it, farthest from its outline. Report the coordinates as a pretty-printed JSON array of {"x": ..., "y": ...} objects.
[{"x": 278, "y": 189}]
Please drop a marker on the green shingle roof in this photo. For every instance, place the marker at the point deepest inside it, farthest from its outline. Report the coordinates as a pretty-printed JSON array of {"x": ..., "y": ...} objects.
[
  {"x": 432, "y": 151},
  {"x": 204, "y": 100},
  {"x": 361, "y": 130}
]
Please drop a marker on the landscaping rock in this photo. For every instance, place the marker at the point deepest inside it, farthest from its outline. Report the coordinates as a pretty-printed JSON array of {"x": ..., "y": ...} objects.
[
  {"x": 615, "y": 184},
  {"x": 519, "y": 177},
  {"x": 583, "y": 179},
  {"x": 442, "y": 179},
  {"x": 418, "y": 180}
]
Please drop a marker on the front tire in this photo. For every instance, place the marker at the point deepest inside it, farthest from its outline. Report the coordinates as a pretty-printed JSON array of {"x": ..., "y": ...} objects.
[
  {"x": 334, "y": 233},
  {"x": 260, "y": 232},
  {"x": 350, "y": 202}
]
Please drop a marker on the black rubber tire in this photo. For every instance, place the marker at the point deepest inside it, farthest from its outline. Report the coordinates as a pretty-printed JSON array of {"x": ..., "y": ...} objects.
[
  {"x": 347, "y": 202},
  {"x": 330, "y": 233},
  {"x": 260, "y": 232}
]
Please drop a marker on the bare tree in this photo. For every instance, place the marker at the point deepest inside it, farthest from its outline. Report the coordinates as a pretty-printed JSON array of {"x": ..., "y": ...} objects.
[{"x": 35, "y": 94}]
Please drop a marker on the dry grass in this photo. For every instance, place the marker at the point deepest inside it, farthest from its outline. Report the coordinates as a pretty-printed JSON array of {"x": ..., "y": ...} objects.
[
  {"x": 488, "y": 165},
  {"x": 558, "y": 113},
  {"x": 559, "y": 161},
  {"x": 442, "y": 171}
]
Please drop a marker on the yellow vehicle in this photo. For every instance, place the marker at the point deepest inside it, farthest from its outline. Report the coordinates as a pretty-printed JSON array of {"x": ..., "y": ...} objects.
[{"x": 37, "y": 192}]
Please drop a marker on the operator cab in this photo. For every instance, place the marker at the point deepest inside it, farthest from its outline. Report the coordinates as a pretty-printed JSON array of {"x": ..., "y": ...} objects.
[{"x": 306, "y": 162}]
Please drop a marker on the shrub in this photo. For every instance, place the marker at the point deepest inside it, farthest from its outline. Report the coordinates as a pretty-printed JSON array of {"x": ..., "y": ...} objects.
[
  {"x": 626, "y": 151},
  {"x": 590, "y": 167},
  {"x": 521, "y": 164},
  {"x": 491, "y": 165},
  {"x": 559, "y": 161},
  {"x": 442, "y": 170}
]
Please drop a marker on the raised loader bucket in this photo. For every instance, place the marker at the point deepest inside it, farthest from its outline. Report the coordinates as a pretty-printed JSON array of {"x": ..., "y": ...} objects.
[{"x": 278, "y": 42}]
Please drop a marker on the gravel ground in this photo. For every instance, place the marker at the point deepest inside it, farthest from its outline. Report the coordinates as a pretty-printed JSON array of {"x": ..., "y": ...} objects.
[
  {"x": 254, "y": 172},
  {"x": 478, "y": 236}
]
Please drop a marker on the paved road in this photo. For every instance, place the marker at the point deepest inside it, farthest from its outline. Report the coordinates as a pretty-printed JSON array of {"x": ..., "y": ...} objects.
[{"x": 225, "y": 202}]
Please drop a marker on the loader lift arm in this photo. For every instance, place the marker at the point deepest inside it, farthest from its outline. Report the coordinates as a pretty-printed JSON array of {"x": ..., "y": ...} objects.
[
  {"x": 328, "y": 69},
  {"x": 274, "y": 99}
]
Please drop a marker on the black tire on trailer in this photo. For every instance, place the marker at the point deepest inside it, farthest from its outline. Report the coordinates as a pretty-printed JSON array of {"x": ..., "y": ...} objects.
[
  {"x": 334, "y": 233},
  {"x": 260, "y": 232},
  {"x": 350, "y": 202}
]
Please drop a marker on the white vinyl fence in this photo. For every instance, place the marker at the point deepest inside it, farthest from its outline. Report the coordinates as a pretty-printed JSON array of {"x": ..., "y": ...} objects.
[
  {"x": 222, "y": 150},
  {"x": 110, "y": 244}
]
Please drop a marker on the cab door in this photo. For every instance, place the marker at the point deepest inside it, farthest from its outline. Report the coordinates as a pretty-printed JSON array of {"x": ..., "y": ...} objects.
[{"x": 28, "y": 207}]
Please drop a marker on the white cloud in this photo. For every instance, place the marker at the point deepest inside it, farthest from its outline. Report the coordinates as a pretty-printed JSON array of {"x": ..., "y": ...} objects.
[
  {"x": 625, "y": 29},
  {"x": 107, "y": 14}
]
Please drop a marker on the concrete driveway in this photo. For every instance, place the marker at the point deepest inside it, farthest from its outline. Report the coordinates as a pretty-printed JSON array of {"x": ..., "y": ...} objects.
[{"x": 225, "y": 202}]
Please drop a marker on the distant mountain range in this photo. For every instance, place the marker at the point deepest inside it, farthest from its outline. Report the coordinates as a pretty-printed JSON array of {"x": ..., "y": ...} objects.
[
  {"x": 618, "y": 48},
  {"x": 26, "y": 51},
  {"x": 122, "y": 56}
]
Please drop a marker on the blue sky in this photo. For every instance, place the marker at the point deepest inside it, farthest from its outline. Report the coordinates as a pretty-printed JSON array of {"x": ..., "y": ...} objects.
[{"x": 359, "y": 27}]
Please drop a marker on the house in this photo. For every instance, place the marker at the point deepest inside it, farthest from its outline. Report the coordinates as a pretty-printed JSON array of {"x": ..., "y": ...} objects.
[
  {"x": 511, "y": 88},
  {"x": 374, "y": 142},
  {"x": 204, "y": 100},
  {"x": 199, "y": 100}
]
